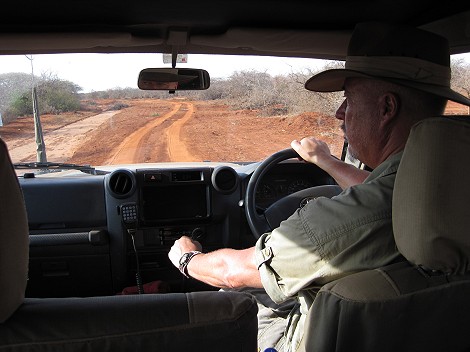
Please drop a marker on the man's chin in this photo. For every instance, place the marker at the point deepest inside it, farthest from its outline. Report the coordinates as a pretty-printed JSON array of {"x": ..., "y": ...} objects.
[
  {"x": 352, "y": 156},
  {"x": 352, "y": 159}
]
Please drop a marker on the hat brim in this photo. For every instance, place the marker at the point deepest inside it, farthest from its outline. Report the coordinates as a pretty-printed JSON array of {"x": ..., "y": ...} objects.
[{"x": 333, "y": 81}]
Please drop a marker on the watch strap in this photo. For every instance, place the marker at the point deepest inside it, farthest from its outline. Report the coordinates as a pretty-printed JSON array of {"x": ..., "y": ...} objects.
[{"x": 184, "y": 261}]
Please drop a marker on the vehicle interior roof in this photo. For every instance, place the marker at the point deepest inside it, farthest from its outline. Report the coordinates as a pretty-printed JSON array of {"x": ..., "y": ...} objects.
[{"x": 317, "y": 29}]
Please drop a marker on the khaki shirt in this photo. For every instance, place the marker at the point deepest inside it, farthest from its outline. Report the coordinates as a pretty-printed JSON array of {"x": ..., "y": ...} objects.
[{"x": 328, "y": 239}]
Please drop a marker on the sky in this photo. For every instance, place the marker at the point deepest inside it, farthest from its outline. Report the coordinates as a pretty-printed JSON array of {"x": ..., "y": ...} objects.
[{"x": 95, "y": 72}]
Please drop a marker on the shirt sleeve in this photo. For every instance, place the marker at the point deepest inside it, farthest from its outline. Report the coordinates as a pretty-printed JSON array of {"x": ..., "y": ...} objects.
[
  {"x": 328, "y": 239},
  {"x": 275, "y": 249}
]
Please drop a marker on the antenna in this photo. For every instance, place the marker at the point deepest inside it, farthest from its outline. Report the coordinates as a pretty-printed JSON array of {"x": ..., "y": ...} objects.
[{"x": 40, "y": 145}]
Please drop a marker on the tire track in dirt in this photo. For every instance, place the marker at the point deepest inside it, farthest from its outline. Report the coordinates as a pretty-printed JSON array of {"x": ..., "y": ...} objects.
[
  {"x": 147, "y": 145},
  {"x": 177, "y": 149}
]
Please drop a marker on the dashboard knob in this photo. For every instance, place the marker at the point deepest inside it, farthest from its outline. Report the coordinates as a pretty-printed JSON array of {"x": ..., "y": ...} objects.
[{"x": 197, "y": 234}]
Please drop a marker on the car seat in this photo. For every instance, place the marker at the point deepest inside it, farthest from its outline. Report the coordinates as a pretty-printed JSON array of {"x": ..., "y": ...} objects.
[
  {"x": 202, "y": 321},
  {"x": 421, "y": 304}
]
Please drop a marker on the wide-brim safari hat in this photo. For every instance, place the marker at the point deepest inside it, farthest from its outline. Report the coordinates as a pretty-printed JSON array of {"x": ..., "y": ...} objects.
[{"x": 399, "y": 54}]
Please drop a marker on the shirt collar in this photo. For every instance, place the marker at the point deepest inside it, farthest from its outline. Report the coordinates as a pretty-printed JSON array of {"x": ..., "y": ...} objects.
[{"x": 388, "y": 167}]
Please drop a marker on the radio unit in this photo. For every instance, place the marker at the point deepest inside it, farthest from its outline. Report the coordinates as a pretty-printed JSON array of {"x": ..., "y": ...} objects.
[{"x": 167, "y": 196}]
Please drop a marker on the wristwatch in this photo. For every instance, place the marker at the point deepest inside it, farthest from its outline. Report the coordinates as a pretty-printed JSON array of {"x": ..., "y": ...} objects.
[{"x": 184, "y": 261}]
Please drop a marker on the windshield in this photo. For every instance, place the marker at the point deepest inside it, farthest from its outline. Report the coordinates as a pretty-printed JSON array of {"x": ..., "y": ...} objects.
[{"x": 86, "y": 109}]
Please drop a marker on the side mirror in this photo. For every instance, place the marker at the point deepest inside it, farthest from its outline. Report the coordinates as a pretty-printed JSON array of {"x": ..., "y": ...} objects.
[{"x": 173, "y": 79}]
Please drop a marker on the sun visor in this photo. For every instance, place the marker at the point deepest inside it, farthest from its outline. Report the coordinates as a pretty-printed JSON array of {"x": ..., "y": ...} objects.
[
  {"x": 284, "y": 42},
  {"x": 32, "y": 43}
]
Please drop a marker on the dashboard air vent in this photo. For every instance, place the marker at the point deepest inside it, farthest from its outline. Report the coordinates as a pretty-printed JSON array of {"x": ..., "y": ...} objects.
[
  {"x": 122, "y": 183},
  {"x": 225, "y": 179}
]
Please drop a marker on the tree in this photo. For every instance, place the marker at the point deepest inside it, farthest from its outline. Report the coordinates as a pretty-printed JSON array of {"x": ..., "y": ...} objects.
[
  {"x": 461, "y": 77},
  {"x": 303, "y": 100},
  {"x": 255, "y": 90},
  {"x": 12, "y": 85},
  {"x": 54, "y": 96}
]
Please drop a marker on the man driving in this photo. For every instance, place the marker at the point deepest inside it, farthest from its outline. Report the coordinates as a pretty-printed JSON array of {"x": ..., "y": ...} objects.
[{"x": 394, "y": 77}]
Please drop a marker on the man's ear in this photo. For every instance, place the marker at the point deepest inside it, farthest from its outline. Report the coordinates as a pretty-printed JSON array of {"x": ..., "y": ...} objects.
[{"x": 389, "y": 105}]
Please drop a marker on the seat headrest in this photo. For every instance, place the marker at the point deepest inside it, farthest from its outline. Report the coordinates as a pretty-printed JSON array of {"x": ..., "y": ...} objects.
[
  {"x": 14, "y": 238},
  {"x": 431, "y": 220}
]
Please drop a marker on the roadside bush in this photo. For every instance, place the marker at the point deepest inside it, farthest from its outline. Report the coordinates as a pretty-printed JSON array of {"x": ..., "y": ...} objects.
[
  {"x": 251, "y": 90},
  {"x": 118, "y": 106},
  {"x": 22, "y": 105},
  {"x": 126, "y": 93},
  {"x": 53, "y": 96},
  {"x": 12, "y": 85}
]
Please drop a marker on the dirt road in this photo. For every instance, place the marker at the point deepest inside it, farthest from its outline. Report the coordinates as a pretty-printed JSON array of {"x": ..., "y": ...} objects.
[
  {"x": 146, "y": 131},
  {"x": 180, "y": 130},
  {"x": 136, "y": 146},
  {"x": 65, "y": 140},
  {"x": 152, "y": 130}
]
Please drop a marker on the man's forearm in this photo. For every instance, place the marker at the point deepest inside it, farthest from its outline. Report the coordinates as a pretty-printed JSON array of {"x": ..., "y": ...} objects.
[
  {"x": 345, "y": 175},
  {"x": 226, "y": 268},
  {"x": 317, "y": 152}
]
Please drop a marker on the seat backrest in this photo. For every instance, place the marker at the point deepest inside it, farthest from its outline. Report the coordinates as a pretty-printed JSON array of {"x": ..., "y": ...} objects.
[
  {"x": 14, "y": 239},
  {"x": 430, "y": 212},
  {"x": 421, "y": 304}
]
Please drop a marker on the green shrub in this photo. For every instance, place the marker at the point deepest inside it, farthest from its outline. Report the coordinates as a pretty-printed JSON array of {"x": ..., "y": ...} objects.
[
  {"x": 118, "y": 106},
  {"x": 54, "y": 96}
]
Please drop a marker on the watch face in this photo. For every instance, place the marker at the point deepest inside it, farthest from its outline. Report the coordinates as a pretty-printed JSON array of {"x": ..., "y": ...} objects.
[{"x": 183, "y": 258}]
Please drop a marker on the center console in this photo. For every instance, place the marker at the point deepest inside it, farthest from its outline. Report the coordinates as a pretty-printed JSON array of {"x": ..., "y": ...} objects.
[{"x": 158, "y": 206}]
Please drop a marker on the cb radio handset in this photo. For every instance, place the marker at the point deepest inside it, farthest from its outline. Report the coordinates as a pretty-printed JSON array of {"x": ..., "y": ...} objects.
[
  {"x": 129, "y": 215},
  {"x": 129, "y": 219}
]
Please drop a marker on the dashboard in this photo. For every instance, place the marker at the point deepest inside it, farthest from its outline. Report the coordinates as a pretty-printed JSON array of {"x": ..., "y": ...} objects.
[
  {"x": 90, "y": 235},
  {"x": 287, "y": 178}
]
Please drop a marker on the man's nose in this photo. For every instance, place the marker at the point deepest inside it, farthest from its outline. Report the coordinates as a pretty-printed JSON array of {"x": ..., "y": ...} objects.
[{"x": 341, "y": 110}]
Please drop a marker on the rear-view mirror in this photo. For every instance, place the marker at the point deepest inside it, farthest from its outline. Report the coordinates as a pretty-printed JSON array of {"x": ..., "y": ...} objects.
[{"x": 173, "y": 79}]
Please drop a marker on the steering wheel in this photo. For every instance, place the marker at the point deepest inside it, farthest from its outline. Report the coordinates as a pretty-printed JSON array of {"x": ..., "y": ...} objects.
[{"x": 284, "y": 207}]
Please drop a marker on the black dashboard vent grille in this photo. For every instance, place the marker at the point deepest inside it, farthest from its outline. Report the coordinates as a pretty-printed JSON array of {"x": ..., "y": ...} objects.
[
  {"x": 225, "y": 179},
  {"x": 122, "y": 183}
]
